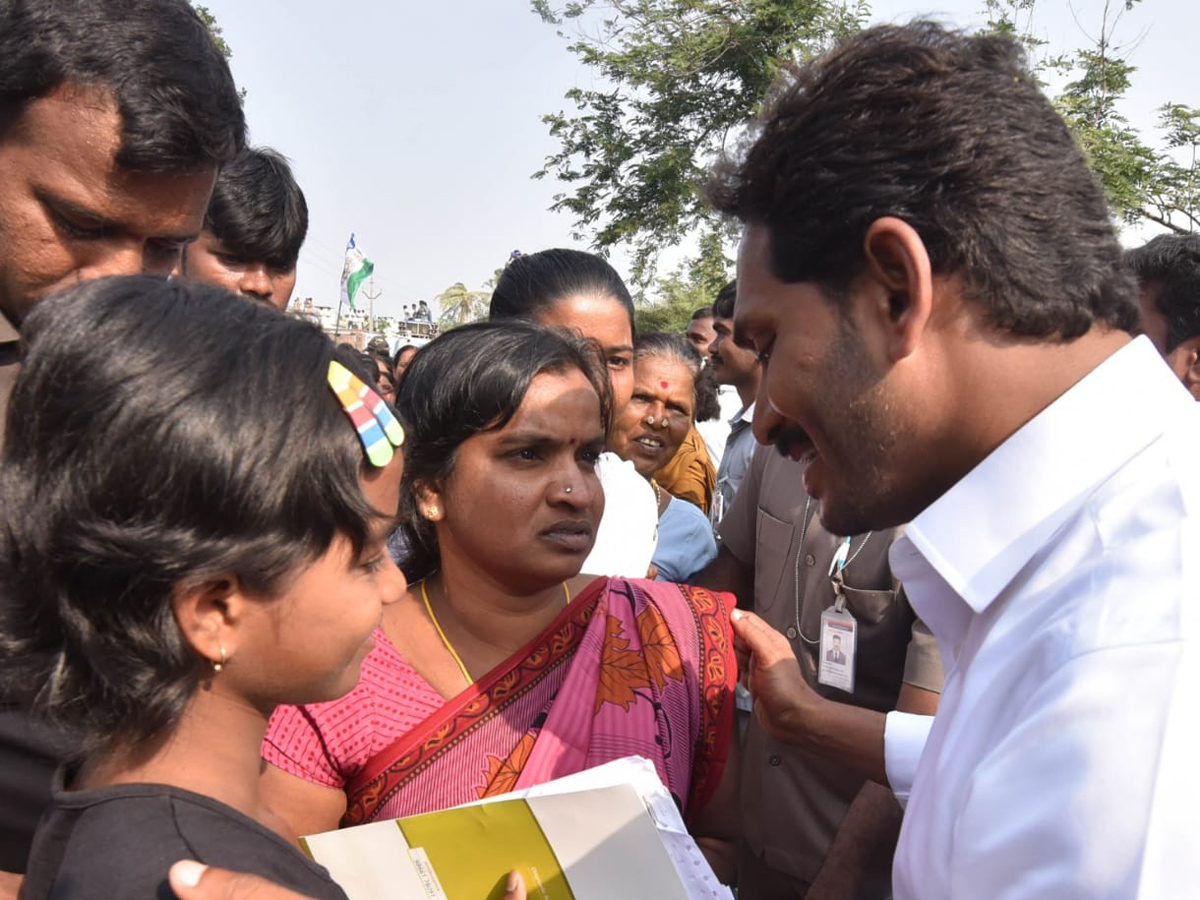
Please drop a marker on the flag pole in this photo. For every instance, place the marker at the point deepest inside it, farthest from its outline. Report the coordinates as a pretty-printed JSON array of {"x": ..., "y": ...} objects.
[{"x": 337, "y": 320}]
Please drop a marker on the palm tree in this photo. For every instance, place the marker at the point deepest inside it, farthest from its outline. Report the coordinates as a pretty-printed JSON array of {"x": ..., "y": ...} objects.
[{"x": 460, "y": 306}]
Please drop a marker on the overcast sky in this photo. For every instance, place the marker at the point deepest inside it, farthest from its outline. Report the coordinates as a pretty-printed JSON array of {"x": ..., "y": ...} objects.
[{"x": 418, "y": 125}]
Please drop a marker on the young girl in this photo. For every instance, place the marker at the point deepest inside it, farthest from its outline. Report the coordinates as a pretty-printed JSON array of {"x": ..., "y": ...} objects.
[{"x": 195, "y": 492}]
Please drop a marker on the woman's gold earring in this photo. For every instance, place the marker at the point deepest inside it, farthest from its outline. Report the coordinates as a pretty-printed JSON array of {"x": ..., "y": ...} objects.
[
  {"x": 433, "y": 512},
  {"x": 218, "y": 666}
]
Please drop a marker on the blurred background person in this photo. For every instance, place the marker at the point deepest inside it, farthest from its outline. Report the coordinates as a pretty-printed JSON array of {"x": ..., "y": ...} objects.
[
  {"x": 1168, "y": 273},
  {"x": 255, "y": 226},
  {"x": 650, "y": 430}
]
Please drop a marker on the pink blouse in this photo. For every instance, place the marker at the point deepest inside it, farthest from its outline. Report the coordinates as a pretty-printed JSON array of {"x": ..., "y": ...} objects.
[{"x": 329, "y": 743}]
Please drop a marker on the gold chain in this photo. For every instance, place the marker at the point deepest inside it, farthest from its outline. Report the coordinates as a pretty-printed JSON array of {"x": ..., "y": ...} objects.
[{"x": 446, "y": 641}]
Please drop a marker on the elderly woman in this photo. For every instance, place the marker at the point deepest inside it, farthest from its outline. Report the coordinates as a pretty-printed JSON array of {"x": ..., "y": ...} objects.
[
  {"x": 503, "y": 666},
  {"x": 649, "y": 431}
]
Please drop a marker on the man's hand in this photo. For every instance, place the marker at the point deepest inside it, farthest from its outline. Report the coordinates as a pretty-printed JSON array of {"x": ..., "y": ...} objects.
[
  {"x": 771, "y": 672},
  {"x": 793, "y": 713},
  {"x": 193, "y": 881}
]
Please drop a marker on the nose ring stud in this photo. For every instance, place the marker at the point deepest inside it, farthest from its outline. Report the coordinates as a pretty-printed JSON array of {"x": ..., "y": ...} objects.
[{"x": 568, "y": 489}]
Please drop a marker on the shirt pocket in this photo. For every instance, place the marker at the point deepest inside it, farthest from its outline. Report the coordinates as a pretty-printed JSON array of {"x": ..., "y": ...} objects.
[
  {"x": 869, "y": 607},
  {"x": 773, "y": 541}
]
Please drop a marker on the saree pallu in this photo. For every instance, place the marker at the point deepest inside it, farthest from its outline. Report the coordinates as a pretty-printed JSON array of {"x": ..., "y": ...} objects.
[{"x": 628, "y": 668}]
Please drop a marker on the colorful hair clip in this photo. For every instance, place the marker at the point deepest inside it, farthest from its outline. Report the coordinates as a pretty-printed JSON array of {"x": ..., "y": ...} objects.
[{"x": 376, "y": 426}]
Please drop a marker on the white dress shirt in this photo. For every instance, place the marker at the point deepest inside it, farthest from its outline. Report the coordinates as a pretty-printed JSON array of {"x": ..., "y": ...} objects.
[
  {"x": 628, "y": 531},
  {"x": 716, "y": 431},
  {"x": 1062, "y": 580},
  {"x": 735, "y": 461}
]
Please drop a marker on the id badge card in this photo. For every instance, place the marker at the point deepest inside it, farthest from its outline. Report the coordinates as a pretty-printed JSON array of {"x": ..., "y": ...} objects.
[{"x": 839, "y": 644}]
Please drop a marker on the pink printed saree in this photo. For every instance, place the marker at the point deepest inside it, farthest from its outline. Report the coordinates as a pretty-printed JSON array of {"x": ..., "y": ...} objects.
[{"x": 629, "y": 667}]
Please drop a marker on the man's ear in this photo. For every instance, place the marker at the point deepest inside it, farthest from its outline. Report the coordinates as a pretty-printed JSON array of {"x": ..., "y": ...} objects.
[
  {"x": 1185, "y": 360},
  {"x": 208, "y": 615},
  {"x": 896, "y": 260}
]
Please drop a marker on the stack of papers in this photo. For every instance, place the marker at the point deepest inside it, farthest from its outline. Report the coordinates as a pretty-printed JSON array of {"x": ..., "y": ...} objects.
[{"x": 607, "y": 832}]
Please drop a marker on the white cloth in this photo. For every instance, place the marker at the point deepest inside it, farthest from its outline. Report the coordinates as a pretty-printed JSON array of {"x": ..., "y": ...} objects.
[
  {"x": 904, "y": 737},
  {"x": 1062, "y": 580},
  {"x": 628, "y": 532},
  {"x": 716, "y": 431},
  {"x": 739, "y": 451}
]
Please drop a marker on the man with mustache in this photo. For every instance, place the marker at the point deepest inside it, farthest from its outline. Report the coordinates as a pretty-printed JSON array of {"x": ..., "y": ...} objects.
[
  {"x": 930, "y": 277},
  {"x": 740, "y": 369}
]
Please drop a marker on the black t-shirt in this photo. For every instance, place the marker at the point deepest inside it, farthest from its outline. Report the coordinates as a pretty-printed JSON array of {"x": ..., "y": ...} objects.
[
  {"x": 119, "y": 842},
  {"x": 29, "y": 754}
]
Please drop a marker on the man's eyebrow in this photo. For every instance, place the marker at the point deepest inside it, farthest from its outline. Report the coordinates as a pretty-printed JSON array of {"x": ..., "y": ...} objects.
[
  {"x": 62, "y": 205},
  {"x": 89, "y": 218}
]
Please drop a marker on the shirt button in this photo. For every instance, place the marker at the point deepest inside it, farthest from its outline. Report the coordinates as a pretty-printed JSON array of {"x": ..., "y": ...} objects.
[
  {"x": 775, "y": 759},
  {"x": 791, "y": 633},
  {"x": 809, "y": 560}
]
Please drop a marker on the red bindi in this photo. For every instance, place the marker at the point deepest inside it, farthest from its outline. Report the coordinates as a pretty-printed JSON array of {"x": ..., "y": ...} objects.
[{"x": 664, "y": 384}]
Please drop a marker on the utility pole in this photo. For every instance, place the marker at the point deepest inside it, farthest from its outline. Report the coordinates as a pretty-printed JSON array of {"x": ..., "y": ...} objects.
[{"x": 371, "y": 294}]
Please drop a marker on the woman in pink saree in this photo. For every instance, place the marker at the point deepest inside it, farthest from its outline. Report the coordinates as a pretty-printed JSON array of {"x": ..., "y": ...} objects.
[{"x": 503, "y": 666}]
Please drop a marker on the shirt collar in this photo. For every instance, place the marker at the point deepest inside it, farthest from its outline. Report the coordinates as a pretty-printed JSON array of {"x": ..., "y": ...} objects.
[
  {"x": 743, "y": 415},
  {"x": 1020, "y": 494}
]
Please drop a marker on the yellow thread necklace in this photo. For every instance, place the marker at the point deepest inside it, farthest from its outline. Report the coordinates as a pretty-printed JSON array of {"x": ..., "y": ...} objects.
[{"x": 446, "y": 641}]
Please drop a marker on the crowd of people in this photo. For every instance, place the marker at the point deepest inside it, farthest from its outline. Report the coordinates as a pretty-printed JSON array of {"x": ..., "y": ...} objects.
[{"x": 887, "y": 564}]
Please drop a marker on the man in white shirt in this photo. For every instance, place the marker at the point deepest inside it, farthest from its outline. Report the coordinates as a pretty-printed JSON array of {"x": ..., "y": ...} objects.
[
  {"x": 929, "y": 274},
  {"x": 738, "y": 368}
]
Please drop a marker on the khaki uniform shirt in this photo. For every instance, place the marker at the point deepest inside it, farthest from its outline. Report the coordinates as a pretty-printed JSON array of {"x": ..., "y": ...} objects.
[{"x": 792, "y": 801}]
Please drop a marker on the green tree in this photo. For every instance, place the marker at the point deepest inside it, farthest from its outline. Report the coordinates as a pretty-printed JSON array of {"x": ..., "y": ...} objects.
[
  {"x": 460, "y": 306},
  {"x": 210, "y": 22},
  {"x": 1146, "y": 178},
  {"x": 692, "y": 285},
  {"x": 682, "y": 78},
  {"x": 218, "y": 36}
]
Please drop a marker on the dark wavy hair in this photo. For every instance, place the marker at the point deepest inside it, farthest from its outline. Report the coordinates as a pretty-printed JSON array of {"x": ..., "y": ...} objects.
[
  {"x": 726, "y": 301},
  {"x": 179, "y": 107},
  {"x": 951, "y": 134},
  {"x": 257, "y": 209},
  {"x": 160, "y": 434},
  {"x": 535, "y": 282},
  {"x": 1169, "y": 265},
  {"x": 467, "y": 381}
]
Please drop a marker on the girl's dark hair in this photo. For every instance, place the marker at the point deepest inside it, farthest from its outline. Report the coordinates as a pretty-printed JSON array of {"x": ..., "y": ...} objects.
[
  {"x": 160, "y": 434},
  {"x": 676, "y": 348},
  {"x": 470, "y": 380},
  {"x": 533, "y": 283}
]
